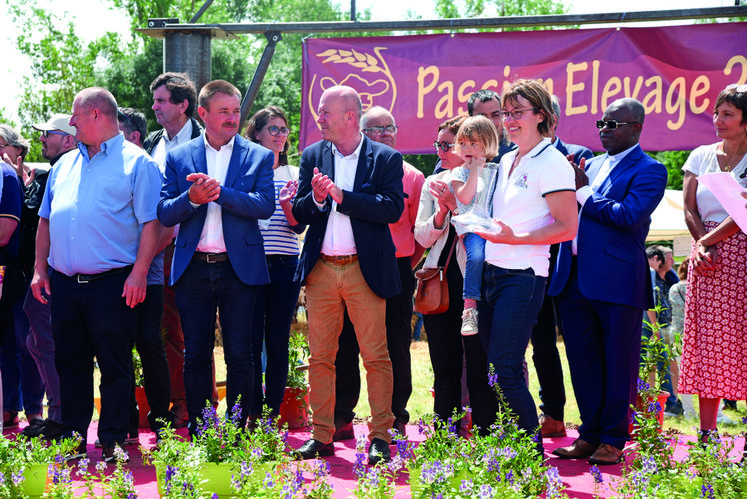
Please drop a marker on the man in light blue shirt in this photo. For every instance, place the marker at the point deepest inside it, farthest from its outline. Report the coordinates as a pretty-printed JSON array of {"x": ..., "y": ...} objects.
[{"x": 98, "y": 232}]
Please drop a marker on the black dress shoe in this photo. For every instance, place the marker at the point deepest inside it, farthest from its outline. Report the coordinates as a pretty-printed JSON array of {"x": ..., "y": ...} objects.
[
  {"x": 313, "y": 448},
  {"x": 378, "y": 451}
]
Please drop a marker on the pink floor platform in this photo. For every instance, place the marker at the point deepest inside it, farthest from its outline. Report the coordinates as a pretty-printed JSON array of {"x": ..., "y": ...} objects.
[{"x": 575, "y": 474}]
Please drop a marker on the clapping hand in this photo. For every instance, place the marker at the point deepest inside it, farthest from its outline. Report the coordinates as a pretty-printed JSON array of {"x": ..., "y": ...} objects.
[
  {"x": 204, "y": 189},
  {"x": 288, "y": 191}
]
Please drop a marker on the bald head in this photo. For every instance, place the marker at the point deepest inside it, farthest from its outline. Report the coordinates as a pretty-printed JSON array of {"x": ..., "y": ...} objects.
[
  {"x": 99, "y": 98},
  {"x": 629, "y": 114},
  {"x": 94, "y": 117},
  {"x": 339, "y": 118},
  {"x": 378, "y": 125}
]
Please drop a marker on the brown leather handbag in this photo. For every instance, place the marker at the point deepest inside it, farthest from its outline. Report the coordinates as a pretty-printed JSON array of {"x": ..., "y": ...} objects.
[{"x": 432, "y": 296}]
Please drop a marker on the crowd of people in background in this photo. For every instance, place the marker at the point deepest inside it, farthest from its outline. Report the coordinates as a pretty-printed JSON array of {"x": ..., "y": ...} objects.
[{"x": 149, "y": 241}]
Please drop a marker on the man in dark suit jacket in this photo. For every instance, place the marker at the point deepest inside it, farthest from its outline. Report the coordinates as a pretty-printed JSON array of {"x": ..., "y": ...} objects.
[
  {"x": 545, "y": 355},
  {"x": 350, "y": 189},
  {"x": 216, "y": 188},
  {"x": 174, "y": 103},
  {"x": 601, "y": 311}
]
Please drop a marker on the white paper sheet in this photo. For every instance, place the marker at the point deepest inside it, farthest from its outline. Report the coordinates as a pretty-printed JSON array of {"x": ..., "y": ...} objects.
[{"x": 729, "y": 193}]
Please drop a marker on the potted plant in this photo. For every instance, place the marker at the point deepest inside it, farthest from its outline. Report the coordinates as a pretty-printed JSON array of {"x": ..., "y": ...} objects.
[
  {"x": 222, "y": 458},
  {"x": 294, "y": 411},
  {"x": 503, "y": 463},
  {"x": 651, "y": 399},
  {"x": 27, "y": 464}
]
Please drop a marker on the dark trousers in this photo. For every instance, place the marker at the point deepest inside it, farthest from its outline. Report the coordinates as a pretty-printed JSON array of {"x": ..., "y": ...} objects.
[
  {"x": 273, "y": 315},
  {"x": 23, "y": 388},
  {"x": 447, "y": 348},
  {"x": 546, "y": 360},
  {"x": 149, "y": 344},
  {"x": 398, "y": 336},
  {"x": 603, "y": 344},
  {"x": 202, "y": 290},
  {"x": 92, "y": 319}
]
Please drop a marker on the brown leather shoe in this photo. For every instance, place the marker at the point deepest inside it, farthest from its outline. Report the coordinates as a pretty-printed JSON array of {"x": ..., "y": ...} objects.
[
  {"x": 606, "y": 454},
  {"x": 551, "y": 428},
  {"x": 577, "y": 450}
]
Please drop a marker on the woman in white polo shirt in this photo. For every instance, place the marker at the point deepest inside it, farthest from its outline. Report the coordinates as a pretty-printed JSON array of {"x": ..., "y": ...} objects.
[{"x": 534, "y": 206}]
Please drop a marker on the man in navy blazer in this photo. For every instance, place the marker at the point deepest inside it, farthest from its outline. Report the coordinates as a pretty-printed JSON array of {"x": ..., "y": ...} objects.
[
  {"x": 216, "y": 188},
  {"x": 350, "y": 189},
  {"x": 545, "y": 355},
  {"x": 602, "y": 282}
]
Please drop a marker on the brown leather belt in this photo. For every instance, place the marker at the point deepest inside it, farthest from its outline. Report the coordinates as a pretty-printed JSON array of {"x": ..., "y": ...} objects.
[
  {"x": 339, "y": 259},
  {"x": 210, "y": 257}
]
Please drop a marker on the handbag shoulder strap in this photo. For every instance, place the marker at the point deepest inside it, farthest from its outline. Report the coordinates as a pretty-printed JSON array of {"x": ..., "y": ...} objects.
[{"x": 451, "y": 251}]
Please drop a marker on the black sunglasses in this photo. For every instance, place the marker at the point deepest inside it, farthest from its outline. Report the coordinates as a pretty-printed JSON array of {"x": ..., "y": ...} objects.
[{"x": 613, "y": 124}]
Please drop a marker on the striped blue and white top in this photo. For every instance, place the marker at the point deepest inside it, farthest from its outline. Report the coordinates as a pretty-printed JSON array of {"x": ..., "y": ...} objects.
[{"x": 278, "y": 236}]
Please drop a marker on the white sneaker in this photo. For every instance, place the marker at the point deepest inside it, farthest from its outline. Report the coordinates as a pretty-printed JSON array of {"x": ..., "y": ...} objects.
[{"x": 469, "y": 322}]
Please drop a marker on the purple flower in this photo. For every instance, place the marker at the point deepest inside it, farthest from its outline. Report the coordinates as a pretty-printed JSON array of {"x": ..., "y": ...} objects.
[
  {"x": 643, "y": 386},
  {"x": 596, "y": 474},
  {"x": 707, "y": 491},
  {"x": 552, "y": 477},
  {"x": 466, "y": 486},
  {"x": 486, "y": 492},
  {"x": 171, "y": 472},
  {"x": 18, "y": 478}
]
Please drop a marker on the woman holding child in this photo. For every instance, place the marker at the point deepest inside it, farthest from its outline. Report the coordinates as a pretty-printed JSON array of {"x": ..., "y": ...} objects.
[{"x": 433, "y": 230}]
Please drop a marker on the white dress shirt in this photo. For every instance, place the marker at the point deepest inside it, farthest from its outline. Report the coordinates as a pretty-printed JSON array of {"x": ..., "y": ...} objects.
[
  {"x": 338, "y": 239},
  {"x": 165, "y": 144},
  {"x": 211, "y": 239},
  {"x": 586, "y": 191}
]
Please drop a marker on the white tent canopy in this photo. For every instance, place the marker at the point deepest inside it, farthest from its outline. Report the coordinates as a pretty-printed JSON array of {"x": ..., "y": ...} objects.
[{"x": 668, "y": 220}]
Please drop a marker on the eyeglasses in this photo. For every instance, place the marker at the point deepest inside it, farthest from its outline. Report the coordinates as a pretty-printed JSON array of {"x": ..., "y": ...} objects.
[
  {"x": 381, "y": 130},
  {"x": 443, "y": 145},
  {"x": 47, "y": 133},
  {"x": 277, "y": 130},
  {"x": 613, "y": 124},
  {"x": 516, "y": 114}
]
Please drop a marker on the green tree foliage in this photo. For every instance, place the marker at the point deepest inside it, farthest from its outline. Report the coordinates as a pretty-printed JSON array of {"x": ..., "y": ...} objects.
[
  {"x": 61, "y": 65},
  {"x": 447, "y": 9},
  {"x": 673, "y": 160}
]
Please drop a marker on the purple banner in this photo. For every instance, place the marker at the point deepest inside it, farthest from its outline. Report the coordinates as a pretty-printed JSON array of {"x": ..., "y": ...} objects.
[{"x": 676, "y": 72}]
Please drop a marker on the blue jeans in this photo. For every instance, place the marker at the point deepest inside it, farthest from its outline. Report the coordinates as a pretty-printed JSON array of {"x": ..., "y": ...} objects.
[
  {"x": 273, "y": 315},
  {"x": 202, "y": 289},
  {"x": 512, "y": 300},
  {"x": 475, "y": 247},
  {"x": 23, "y": 388}
]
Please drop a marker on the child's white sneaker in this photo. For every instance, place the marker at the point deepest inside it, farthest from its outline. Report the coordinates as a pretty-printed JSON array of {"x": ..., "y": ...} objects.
[{"x": 469, "y": 322}]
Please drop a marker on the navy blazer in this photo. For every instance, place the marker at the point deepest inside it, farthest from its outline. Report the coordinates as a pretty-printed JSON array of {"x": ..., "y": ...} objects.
[
  {"x": 578, "y": 152},
  {"x": 376, "y": 201},
  {"x": 612, "y": 230},
  {"x": 247, "y": 194}
]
